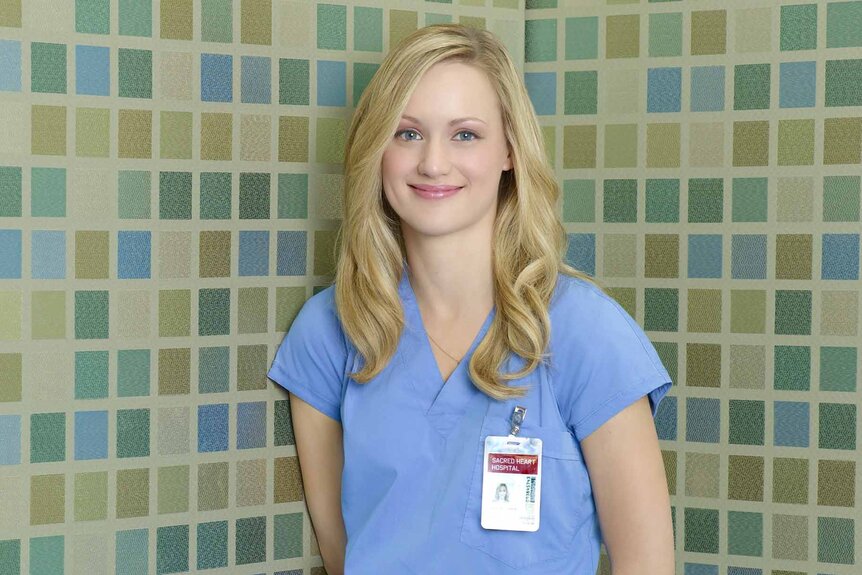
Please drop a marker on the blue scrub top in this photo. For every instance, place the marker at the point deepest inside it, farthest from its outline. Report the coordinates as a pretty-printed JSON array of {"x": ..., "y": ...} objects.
[{"x": 413, "y": 447}]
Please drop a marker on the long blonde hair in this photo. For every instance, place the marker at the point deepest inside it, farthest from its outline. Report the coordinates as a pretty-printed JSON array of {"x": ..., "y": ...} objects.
[{"x": 528, "y": 242}]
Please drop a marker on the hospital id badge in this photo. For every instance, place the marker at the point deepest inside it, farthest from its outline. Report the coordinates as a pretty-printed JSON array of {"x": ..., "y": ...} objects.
[{"x": 511, "y": 483}]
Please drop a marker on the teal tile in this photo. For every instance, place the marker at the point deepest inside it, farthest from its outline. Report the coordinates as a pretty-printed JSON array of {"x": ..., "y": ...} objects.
[
  {"x": 216, "y": 194},
  {"x": 133, "y": 195},
  {"x": 368, "y": 29},
  {"x": 799, "y": 27},
  {"x": 581, "y": 92},
  {"x": 288, "y": 536},
  {"x": 665, "y": 34},
  {"x": 47, "y": 437},
  {"x": 212, "y": 545},
  {"x": 10, "y": 192},
  {"x": 172, "y": 549},
  {"x": 48, "y": 68},
  {"x": 582, "y": 38},
  {"x": 540, "y": 40},
  {"x": 749, "y": 200},
  {"x": 10, "y": 557},
  {"x": 133, "y": 433},
  {"x": 48, "y": 192},
  {"x": 136, "y": 18},
  {"x": 579, "y": 201},
  {"x": 838, "y": 367},
  {"x": 92, "y": 16},
  {"x": 837, "y": 426},
  {"x": 745, "y": 533},
  {"x": 46, "y": 555},
  {"x": 217, "y": 21},
  {"x": 133, "y": 372},
  {"x": 91, "y": 315},
  {"x": 91, "y": 374},
  {"x": 331, "y": 27},
  {"x": 250, "y": 540},
  {"x": 844, "y": 24},
  {"x": 293, "y": 196},
  {"x": 662, "y": 201},
  {"x": 836, "y": 540}
]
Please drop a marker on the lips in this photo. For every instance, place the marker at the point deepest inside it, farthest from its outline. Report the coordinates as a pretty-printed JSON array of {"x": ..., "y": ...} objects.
[
  {"x": 437, "y": 189},
  {"x": 428, "y": 192}
]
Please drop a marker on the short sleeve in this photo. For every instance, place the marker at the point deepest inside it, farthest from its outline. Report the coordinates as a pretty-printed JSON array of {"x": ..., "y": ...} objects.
[
  {"x": 311, "y": 360},
  {"x": 601, "y": 359}
]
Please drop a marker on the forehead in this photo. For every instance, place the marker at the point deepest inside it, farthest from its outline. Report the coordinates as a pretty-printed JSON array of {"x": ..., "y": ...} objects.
[{"x": 452, "y": 90}]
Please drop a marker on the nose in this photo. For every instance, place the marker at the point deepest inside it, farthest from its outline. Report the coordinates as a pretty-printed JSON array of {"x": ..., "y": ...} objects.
[{"x": 434, "y": 160}]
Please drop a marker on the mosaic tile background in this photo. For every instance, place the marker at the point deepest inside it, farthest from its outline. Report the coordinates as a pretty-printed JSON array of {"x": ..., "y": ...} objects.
[{"x": 169, "y": 195}]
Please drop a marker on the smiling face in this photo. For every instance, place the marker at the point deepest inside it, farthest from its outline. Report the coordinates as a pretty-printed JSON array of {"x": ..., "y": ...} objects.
[{"x": 441, "y": 171}]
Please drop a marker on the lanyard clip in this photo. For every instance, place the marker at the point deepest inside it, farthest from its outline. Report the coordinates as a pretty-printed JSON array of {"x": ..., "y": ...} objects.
[{"x": 518, "y": 415}]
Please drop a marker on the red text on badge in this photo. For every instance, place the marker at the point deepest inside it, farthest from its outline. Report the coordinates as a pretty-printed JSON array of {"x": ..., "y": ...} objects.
[{"x": 513, "y": 463}]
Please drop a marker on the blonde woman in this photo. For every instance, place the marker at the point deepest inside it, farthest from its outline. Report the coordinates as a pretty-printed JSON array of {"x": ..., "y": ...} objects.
[{"x": 456, "y": 348}]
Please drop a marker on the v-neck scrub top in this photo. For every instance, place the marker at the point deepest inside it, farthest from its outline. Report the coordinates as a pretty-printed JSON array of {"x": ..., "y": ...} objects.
[{"x": 413, "y": 445}]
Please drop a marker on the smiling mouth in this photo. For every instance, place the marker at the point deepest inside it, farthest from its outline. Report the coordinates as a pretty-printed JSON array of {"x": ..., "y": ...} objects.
[{"x": 435, "y": 189}]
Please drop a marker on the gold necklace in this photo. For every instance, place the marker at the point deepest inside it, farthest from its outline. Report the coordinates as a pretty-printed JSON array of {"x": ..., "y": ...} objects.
[{"x": 456, "y": 360}]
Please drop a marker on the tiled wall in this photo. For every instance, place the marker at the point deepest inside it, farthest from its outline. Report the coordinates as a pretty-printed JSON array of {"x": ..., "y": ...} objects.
[{"x": 169, "y": 193}]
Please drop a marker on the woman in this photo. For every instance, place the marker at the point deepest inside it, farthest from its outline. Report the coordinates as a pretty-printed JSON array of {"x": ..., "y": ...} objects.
[{"x": 452, "y": 306}]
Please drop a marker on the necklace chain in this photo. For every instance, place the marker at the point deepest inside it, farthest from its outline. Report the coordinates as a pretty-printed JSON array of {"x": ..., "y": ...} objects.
[{"x": 455, "y": 359}]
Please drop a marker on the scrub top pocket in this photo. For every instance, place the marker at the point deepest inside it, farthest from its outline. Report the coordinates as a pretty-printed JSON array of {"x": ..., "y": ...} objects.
[{"x": 562, "y": 506}]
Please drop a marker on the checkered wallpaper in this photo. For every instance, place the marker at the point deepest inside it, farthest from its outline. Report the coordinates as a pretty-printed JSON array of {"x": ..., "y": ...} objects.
[{"x": 170, "y": 188}]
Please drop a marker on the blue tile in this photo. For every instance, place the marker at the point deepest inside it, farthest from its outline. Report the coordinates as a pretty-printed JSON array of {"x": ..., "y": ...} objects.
[
  {"x": 132, "y": 548},
  {"x": 798, "y": 84},
  {"x": 581, "y": 252},
  {"x": 703, "y": 419},
  {"x": 704, "y": 256},
  {"x": 840, "y": 259},
  {"x": 256, "y": 80},
  {"x": 133, "y": 255},
  {"x": 48, "y": 254},
  {"x": 10, "y": 66},
  {"x": 331, "y": 83},
  {"x": 213, "y": 427},
  {"x": 251, "y": 425},
  {"x": 253, "y": 253},
  {"x": 10, "y": 254},
  {"x": 291, "y": 249},
  {"x": 748, "y": 256},
  {"x": 664, "y": 89},
  {"x": 707, "y": 89},
  {"x": 10, "y": 447},
  {"x": 92, "y": 70},
  {"x": 791, "y": 423},
  {"x": 91, "y": 435},
  {"x": 700, "y": 569},
  {"x": 666, "y": 418},
  {"x": 542, "y": 88},
  {"x": 216, "y": 78}
]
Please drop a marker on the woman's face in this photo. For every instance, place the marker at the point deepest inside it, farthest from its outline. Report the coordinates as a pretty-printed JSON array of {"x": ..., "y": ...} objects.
[{"x": 441, "y": 171}]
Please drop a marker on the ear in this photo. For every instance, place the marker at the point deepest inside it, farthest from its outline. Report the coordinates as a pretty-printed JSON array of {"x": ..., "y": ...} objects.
[{"x": 508, "y": 164}]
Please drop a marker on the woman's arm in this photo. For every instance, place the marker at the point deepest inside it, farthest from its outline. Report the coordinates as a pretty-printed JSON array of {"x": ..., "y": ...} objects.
[
  {"x": 630, "y": 489},
  {"x": 321, "y": 458}
]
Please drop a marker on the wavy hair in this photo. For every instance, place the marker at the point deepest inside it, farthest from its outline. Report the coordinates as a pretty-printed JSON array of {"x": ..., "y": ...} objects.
[{"x": 529, "y": 241}]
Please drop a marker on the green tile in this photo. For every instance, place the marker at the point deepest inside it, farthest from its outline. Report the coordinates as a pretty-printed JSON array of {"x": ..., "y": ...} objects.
[
  {"x": 579, "y": 200},
  {"x": 792, "y": 367},
  {"x": 293, "y": 82},
  {"x": 433, "y": 18},
  {"x": 252, "y": 312},
  {"x": 835, "y": 540},
  {"x": 537, "y": 4},
  {"x": 792, "y": 312},
  {"x": 174, "y": 313},
  {"x": 91, "y": 315},
  {"x": 622, "y": 36},
  {"x": 836, "y": 483},
  {"x": 283, "y": 425},
  {"x": 621, "y": 145},
  {"x": 215, "y": 195},
  {"x": 48, "y": 67},
  {"x": 136, "y": 18},
  {"x": 217, "y": 21},
  {"x": 133, "y": 372},
  {"x": 250, "y": 365},
  {"x": 540, "y": 40},
  {"x": 214, "y": 369},
  {"x": 172, "y": 549},
  {"x": 135, "y": 75},
  {"x": 841, "y": 198},
  {"x": 661, "y": 309},
  {"x": 751, "y": 86},
  {"x": 212, "y": 545},
  {"x": 91, "y": 496},
  {"x": 705, "y": 200},
  {"x": 844, "y": 24},
  {"x": 746, "y": 422},
  {"x": 173, "y": 489},
  {"x": 582, "y": 38},
  {"x": 10, "y": 557},
  {"x": 47, "y": 437},
  {"x": 662, "y": 201},
  {"x": 668, "y": 353},
  {"x": 844, "y": 82},
  {"x": 46, "y": 555},
  {"x": 362, "y": 74},
  {"x": 665, "y": 34},
  {"x": 10, "y": 192},
  {"x": 250, "y": 540},
  {"x": 701, "y": 530},
  {"x": 581, "y": 92},
  {"x": 620, "y": 201},
  {"x": 331, "y": 137},
  {"x": 133, "y": 493},
  {"x": 91, "y": 374},
  {"x": 745, "y": 533},
  {"x": 749, "y": 199},
  {"x": 133, "y": 433},
  {"x": 331, "y": 27},
  {"x": 10, "y": 377},
  {"x": 288, "y": 536},
  {"x": 837, "y": 426},
  {"x": 293, "y": 196},
  {"x": 799, "y": 27},
  {"x": 368, "y": 29},
  {"x": 175, "y": 195},
  {"x": 133, "y": 194},
  {"x": 838, "y": 368},
  {"x": 92, "y": 16},
  {"x": 214, "y": 311},
  {"x": 790, "y": 480},
  {"x": 254, "y": 191},
  {"x": 745, "y": 478}
]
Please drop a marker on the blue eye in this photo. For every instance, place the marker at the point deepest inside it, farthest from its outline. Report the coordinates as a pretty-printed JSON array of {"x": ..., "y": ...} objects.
[
  {"x": 400, "y": 133},
  {"x": 470, "y": 139}
]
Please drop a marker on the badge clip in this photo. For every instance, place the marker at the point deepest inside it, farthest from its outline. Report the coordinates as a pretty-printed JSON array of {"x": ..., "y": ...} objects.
[{"x": 518, "y": 415}]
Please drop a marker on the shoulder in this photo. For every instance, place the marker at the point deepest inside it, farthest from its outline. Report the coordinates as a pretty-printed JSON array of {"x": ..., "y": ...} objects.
[{"x": 318, "y": 317}]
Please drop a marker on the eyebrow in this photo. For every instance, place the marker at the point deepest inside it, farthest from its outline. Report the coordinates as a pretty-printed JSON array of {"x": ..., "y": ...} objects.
[{"x": 451, "y": 123}]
